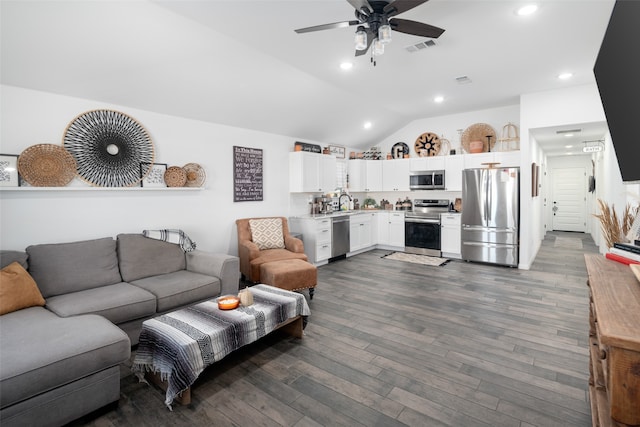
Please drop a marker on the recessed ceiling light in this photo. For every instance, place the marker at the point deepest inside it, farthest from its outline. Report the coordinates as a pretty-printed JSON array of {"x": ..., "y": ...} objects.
[
  {"x": 568, "y": 146},
  {"x": 565, "y": 76},
  {"x": 367, "y": 125},
  {"x": 438, "y": 99},
  {"x": 527, "y": 10},
  {"x": 346, "y": 65},
  {"x": 568, "y": 135}
]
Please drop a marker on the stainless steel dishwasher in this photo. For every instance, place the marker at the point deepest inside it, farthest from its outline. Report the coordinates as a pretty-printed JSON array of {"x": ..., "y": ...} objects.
[{"x": 339, "y": 236}]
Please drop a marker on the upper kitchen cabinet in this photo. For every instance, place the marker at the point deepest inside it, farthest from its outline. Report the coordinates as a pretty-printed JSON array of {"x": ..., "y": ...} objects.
[
  {"x": 365, "y": 175},
  {"x": 453, "y": 166},
  {"x": 395, "y": 175},
  {"x": 435, "y": 163},
  {"x": 311, "y": 172},
  {"x": 503, "y": 158}
]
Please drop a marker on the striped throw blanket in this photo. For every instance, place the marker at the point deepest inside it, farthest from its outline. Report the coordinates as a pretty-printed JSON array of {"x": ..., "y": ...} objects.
[
  {"x": 178, "y": 237},
  {"x": 179, "y": 345}
]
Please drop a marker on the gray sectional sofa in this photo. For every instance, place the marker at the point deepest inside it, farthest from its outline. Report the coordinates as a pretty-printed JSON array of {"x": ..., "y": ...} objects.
[{"x": 62, "y": 361}]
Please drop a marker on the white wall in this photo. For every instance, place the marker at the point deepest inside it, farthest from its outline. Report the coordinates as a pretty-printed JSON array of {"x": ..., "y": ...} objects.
[{"x": 207, "y": 216}]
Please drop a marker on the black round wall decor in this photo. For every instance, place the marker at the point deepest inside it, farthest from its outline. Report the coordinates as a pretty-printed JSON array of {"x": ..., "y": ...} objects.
[{"x": 111, "y": 148}]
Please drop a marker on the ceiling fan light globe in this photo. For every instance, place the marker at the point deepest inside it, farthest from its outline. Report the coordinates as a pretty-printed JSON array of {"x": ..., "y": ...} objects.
[
  {"x": 384, "y": 34},
  {"x": 361, "y": 39},
  {"x": 378, "y": 47}
]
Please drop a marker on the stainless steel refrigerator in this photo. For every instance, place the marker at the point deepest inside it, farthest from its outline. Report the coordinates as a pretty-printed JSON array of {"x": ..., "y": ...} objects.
[{"x": 491, "y": 215}]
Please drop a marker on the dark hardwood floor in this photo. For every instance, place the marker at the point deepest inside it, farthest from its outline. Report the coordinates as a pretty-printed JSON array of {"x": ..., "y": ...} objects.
[{"x": 392, "y": 343}]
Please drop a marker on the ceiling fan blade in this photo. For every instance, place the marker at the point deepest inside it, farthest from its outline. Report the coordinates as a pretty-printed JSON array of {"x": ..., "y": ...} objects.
[
  {"x": 415, "y": 28},
  {"x": 360, "y": 4},
  {"x": 342, "y": 24},
  {"x": 399, "y": 6},
  {"x": 370, "y": 38}
]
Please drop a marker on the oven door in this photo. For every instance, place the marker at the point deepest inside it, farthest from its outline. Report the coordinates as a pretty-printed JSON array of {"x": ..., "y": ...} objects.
[{"x": 422, "y": 236}]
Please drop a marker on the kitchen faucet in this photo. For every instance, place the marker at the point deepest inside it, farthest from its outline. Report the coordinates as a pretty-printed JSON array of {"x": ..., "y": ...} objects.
[{"x": 340, "y": 201}]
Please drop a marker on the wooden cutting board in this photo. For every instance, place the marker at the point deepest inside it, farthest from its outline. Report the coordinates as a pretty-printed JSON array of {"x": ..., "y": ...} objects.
[{"x": 635, "y": 268}]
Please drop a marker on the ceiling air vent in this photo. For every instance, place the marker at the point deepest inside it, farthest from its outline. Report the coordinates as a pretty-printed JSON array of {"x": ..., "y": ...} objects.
[
  {"x": 463, "y": 80},
  {"x": 568, "y": 131},
  {"x": 420, "y": 46}
]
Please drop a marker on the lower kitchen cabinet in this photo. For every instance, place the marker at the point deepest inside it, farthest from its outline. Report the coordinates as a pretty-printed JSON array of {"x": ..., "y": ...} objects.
[
  {"x": 450, "y": 236},
  {"x": 316, "y": 234},
  {"x": 391, "y": 229},
  {"x": 361, "y": 231}
]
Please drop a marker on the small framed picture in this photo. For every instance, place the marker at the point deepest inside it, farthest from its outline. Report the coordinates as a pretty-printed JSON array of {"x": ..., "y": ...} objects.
[
  {"x": 337, "y": 150},
  {"x": 155, "y": 178},
  {"x": 9, "y": 170}
]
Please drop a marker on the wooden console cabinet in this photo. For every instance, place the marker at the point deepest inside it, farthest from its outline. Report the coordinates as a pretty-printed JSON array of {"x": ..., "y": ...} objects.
[{"x": 614, "y": 338}]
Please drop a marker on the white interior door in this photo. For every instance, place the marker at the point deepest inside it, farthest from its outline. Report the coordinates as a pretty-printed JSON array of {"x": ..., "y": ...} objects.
[{"x": 569, "y": 199}]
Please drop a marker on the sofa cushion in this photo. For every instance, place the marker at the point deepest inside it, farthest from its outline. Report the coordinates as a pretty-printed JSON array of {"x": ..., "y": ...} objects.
[
  {"x": 118, "y": 303},
  {"x": 7, "y": 257},
  {"x": 267, "y": 233},
  {"x": 62, "y": 268},
  {"x": 180, "y": 288},
  {"x": 18, "y": 290},
  {"x": 41, "y": 351},
  {"x": 141, "y": 257}
]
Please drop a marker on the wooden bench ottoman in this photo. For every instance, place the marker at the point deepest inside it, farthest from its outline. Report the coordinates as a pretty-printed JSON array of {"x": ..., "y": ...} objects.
[{"x": 290, "y": 274}]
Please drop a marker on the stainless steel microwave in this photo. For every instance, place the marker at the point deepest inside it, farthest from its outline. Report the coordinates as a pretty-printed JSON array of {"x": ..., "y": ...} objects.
[{"x": 426, "y": 180}]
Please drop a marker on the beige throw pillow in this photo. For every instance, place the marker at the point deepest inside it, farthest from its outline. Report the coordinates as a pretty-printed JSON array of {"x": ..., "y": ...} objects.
[
  {"x": 18, "y": 290},
  {"x": 267, "y": 233}
]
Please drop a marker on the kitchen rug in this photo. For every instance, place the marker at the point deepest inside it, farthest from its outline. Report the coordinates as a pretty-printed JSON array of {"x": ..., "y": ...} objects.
[{"x": 416, "y": 259}]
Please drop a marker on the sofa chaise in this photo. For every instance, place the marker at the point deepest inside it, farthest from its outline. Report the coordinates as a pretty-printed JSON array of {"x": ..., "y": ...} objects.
[{"x": 61, "y": 360}]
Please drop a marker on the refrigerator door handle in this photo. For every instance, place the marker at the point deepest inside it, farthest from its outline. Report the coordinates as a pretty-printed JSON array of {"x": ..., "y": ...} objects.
[
  {"x": 485, "y": 176},
  {"x": 487, "y": 229},
  {"x": 489, "y": 245}
]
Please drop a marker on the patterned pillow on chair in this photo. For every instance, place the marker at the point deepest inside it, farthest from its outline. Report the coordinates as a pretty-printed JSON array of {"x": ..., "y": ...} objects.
[{"x": 267, "y": 233}]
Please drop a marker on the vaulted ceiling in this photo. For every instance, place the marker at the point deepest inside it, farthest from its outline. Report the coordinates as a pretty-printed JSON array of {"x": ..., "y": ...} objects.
[{"x": 240, "y": 63}]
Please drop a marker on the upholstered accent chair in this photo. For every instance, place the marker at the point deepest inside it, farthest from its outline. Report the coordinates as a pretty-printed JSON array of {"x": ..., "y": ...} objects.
[{"x": 263, "y": 240}]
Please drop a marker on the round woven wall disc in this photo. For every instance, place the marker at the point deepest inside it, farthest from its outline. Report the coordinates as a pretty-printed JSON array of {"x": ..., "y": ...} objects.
[
  {"x": 478, "y": 132},
  {"x": 427, "y": 145},
  {"x": 46, "y": 165},
  {"x": 195, "y": 175},
  {"x": 175, "y": 176},
  {"x": 111, "y": 148}
]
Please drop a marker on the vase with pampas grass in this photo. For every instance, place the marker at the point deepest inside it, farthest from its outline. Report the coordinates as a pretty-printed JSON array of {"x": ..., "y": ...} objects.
[{"x": 614, "y": 229}]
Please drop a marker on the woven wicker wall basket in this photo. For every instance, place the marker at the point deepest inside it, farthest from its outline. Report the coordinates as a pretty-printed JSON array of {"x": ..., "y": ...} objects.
[
  {"x": 478, "y": 132},
  {"x": 46, "y": 165}
]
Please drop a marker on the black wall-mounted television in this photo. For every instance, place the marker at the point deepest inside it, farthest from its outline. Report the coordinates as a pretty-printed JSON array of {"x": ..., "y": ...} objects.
[{"x": 617, "y": 73}]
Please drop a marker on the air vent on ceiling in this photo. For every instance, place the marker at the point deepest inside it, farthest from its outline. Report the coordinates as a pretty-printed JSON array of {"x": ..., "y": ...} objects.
[
  {"x": 463, "y": 80},
  {"x": 568, "y": 131},
  {"x": 420, "y": 46}
]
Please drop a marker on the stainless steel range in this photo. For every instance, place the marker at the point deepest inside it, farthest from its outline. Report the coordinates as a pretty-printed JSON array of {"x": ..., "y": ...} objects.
[{"x": 422, "y": 226}]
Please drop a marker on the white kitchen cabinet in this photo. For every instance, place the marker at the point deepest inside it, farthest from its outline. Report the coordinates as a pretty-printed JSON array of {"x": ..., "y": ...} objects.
[
  {"x": 365, "y": 175},
  {"x": 316, "y": 236},
  {"x": 450, "y": 236},
  {"x": 391, "y": 229},
  {"x": 311, "y": 172},
  {"x": 395, "y": 175},
  {"x": 508, "y": 158},
  {"x": 361, "y": 234},
  {"x": 504, "y": 158},
  {"x": 396, "y": 229},
  {"x": 453, "y": 172},
  {"x": 434, "y": 163}
]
